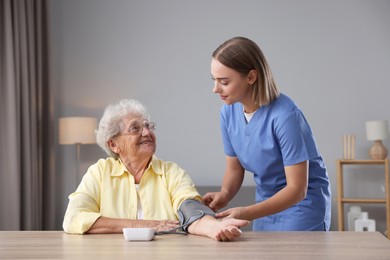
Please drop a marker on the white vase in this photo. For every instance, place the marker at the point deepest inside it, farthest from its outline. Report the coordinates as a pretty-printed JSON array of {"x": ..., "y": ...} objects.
[
  {"x": 364, "y": 223},
  {"x": 354, "y": 213}
]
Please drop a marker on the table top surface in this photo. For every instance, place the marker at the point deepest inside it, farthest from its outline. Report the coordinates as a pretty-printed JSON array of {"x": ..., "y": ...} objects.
[{"x": 251, "y": 245}]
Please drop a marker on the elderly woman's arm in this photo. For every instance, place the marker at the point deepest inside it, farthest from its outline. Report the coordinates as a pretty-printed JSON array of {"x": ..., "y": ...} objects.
[
  {"x": 116, "y": 225},
  {"x": 83, "y": 216},
  {"x": 198, "y": 219}
]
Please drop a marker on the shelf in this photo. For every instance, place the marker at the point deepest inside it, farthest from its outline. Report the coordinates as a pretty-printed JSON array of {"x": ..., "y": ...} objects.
[
  {"x": 363, "y": 201},
  {"x": 362, "y": 162},
  {"x": 341, "y": 200}
]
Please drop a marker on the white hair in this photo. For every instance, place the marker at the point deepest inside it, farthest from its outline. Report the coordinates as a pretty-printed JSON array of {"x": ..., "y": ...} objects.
[{"x": 112, "y": 121}]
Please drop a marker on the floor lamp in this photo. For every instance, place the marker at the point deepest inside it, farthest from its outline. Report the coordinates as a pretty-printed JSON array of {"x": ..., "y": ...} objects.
[{"x": 77, "y": 130}]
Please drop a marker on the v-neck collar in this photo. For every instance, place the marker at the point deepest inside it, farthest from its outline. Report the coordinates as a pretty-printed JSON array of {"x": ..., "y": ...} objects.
[{"x": 243, "y": 117}]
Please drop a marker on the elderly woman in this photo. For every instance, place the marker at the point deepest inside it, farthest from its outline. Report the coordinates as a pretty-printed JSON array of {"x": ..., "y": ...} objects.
[{"x": 133, "y": 188}]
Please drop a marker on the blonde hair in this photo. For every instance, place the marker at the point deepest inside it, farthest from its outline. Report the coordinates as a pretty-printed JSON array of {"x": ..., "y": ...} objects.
[{"x": 243, "y": 55}]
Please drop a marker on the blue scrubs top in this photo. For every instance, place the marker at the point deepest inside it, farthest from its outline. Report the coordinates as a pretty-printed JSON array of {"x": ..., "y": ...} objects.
[{"x": 278, "y": 135}]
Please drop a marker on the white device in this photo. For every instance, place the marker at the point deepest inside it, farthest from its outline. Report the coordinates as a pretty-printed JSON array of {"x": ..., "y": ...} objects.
[{"x": 138, "y": 234}]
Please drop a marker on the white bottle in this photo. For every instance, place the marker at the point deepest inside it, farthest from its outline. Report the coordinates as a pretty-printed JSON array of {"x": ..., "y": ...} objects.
[
  {"x": 354, "y": 213},
  {"x": 364, "y": 223}
]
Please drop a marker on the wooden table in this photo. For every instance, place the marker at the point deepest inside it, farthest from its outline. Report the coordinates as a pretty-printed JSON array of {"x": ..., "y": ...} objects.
[{"x": 251, "y": 245}]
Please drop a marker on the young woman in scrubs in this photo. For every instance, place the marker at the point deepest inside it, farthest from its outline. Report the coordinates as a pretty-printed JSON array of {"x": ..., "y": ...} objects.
[{"x": 264, "y": 132}]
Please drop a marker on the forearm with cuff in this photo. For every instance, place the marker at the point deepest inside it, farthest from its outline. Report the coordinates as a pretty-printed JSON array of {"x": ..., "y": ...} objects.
[{"x": 192, "y": 210}]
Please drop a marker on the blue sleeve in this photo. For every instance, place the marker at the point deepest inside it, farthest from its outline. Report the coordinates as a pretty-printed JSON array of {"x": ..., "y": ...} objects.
[
  {"x": 228, "y": 148},
  {"x": 295, "y": 138}
]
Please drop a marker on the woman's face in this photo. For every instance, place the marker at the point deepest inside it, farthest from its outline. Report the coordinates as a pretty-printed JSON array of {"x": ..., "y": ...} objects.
[
  {"x": 136, "y": 141},
  {"x": 231, "y": 85}
]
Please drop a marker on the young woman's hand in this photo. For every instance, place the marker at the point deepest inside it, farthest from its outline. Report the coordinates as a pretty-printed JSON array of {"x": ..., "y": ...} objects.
[
  {"x": 215, "y": 200},
  {"x": 238, "y": 212}
]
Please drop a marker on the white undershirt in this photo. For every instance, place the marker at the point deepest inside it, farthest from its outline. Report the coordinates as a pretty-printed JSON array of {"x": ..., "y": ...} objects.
[
  {"x": 249, "y": 116},
  {"x": 140, "y": 214}
]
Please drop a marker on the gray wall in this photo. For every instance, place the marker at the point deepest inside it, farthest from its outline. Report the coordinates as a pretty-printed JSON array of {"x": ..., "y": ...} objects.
[{"x": 331, "y": 57}]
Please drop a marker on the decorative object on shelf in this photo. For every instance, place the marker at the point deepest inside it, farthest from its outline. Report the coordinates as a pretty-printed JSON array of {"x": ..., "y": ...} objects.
[
  {"x": 77, "y": 130},
  {"x": 354, "y": 213},
  {"x": 364, "y": 223},
  {"x": 349, "y": 146},
  {"x": 377, "y": 131}
]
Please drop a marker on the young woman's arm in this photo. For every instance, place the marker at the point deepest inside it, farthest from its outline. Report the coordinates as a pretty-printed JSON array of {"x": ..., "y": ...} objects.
[
  {"x": 231, "y": 184},
  {"x": 294, "y": 192}
]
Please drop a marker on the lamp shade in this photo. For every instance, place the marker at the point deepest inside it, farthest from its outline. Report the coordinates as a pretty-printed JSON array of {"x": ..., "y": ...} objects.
[
  {"x": 376, "y": 130},
  {"x": 73, "y": 130}
]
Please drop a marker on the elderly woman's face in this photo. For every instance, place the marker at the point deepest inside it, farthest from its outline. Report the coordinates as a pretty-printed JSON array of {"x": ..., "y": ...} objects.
[{"x": 137, "y": 140}]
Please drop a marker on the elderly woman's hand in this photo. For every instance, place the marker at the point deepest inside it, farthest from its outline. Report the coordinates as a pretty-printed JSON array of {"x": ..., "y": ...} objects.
[
  {"x": 110, "y": 225},
  {"x": 220, "y": 230},
  {"x": 228, "y": 229},
  {"x": 163, "y": 225}
]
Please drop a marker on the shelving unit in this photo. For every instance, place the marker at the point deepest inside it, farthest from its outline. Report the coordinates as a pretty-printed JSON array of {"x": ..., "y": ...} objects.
[{"x": 341, "y": 200}]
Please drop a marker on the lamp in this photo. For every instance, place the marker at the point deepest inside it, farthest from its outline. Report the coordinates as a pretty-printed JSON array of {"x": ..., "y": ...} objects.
[
  {"x": 377, "y": 131},
  {"x": 77, "y": 130}
]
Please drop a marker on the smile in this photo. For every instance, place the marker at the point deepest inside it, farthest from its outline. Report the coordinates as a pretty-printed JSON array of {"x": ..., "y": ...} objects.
[{"x": 145, "y": 142}]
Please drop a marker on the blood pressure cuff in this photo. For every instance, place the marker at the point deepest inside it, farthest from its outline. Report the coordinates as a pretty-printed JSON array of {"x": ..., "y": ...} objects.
[{"x": 190, "y": 211}]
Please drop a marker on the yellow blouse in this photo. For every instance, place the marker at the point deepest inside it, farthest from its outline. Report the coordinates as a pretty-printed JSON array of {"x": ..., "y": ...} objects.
[{"x": 108, "y": 189}]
